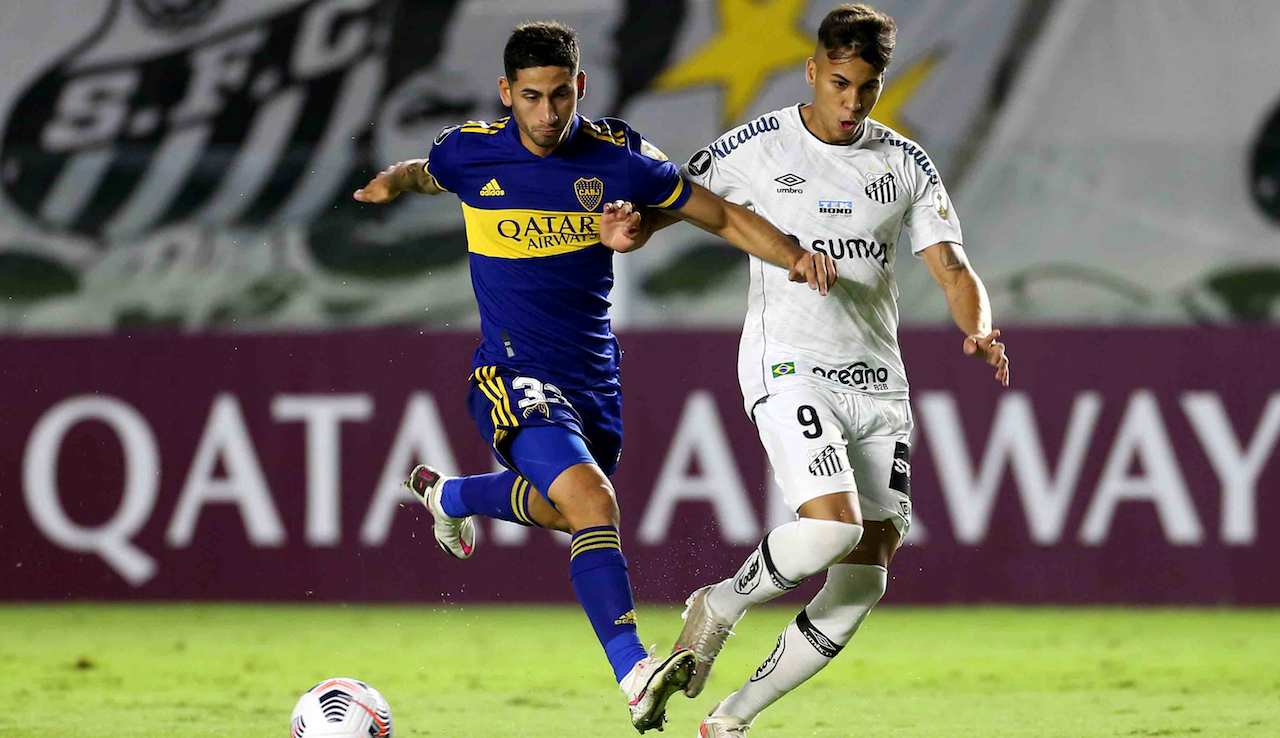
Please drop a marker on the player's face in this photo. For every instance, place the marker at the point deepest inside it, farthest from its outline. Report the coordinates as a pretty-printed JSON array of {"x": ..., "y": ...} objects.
[
  {"x": 845, "y": 90},
  {"x": 543, "y": 101}
]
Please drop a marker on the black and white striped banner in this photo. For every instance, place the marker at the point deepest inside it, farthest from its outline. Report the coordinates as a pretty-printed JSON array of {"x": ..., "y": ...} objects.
[{"x": 191, "y": 161}]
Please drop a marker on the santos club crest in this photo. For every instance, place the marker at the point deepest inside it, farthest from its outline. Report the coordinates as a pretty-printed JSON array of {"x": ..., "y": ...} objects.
[
  {"x": 196, "y": 110},
  {"x": 590, "y": 192}
]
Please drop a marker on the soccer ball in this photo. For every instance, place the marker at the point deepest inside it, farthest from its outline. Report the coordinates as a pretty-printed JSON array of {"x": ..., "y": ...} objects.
[{"x": 341, "y": 708}]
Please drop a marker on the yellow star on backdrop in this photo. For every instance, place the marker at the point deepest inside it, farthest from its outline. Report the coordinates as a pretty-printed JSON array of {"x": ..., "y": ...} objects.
[{"x": 757, "y": 39}]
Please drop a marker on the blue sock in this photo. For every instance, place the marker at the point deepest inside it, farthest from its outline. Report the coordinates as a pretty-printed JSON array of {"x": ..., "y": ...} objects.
[
  {"x": 503, "y": 495},
  {"x": 599, "y": 574}
]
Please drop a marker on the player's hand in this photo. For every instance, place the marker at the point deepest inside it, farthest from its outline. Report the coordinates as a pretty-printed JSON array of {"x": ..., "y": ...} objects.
[
  {"x": 819, "y": 270},
  {"x": 987, "y": 348},
  {"x": 381, "y": 189},
  {"x": 620, "y": 227}
]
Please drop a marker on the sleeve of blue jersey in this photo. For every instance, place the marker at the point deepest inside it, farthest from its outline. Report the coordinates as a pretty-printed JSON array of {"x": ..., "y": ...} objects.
[
  {"x": 442, "y": 161},
  {"x": 655, "y": 183}
]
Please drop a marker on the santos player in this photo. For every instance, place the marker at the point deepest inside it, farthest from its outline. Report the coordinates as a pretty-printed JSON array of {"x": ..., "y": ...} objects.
[{"x": 823, "y": 379}]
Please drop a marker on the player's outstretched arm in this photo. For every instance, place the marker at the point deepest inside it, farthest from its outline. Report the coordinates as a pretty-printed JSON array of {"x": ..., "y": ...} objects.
[
  {"x": 404, "y": 176},
  {"x": 970, "y": 307},
  {"x": 756, "y": 236}
]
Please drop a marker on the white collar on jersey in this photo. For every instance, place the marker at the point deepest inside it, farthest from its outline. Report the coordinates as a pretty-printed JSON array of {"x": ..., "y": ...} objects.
[{"x": 853, "y": 145}]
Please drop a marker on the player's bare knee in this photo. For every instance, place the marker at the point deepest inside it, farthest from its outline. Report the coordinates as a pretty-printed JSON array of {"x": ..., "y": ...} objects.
[
  {"x": 585, "y": 497},
  {"x": 879, "y": 542},
  {"x": 599, "y": 507}
]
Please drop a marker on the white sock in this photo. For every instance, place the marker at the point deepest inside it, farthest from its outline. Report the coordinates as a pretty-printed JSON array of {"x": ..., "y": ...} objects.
[
  {"x": 787, "y": 556},
  {"x": 810, "y": 641}
]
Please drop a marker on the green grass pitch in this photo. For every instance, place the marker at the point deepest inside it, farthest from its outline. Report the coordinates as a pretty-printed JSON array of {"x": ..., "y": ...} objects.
[{"x": 124, "y": 671}]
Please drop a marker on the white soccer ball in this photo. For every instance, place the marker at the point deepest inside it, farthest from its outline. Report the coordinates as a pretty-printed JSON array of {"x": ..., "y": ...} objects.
[{"x": 341, "y": 708}]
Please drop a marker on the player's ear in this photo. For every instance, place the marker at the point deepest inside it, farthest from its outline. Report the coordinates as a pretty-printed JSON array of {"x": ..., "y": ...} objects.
[
  {"x": 811, "y": 71},
  {"x": 582, "y": 84},
  {"x": 504, "y": 91}
]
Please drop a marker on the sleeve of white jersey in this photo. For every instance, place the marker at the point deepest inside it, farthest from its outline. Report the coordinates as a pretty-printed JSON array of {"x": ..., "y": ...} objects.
[
  {"x": 717, "y": 175},
  {"x": 932, "y": 217}
]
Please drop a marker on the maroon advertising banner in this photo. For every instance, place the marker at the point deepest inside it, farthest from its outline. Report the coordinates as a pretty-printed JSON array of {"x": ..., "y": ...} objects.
[{"x": 1123, "y": 466}]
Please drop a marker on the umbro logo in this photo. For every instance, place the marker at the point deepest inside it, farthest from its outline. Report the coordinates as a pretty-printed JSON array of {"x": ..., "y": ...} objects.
[
  {"x": 790, "y": 183},
  {"x": 819, "y": 640},
  {"x": 492, "y": 189}
]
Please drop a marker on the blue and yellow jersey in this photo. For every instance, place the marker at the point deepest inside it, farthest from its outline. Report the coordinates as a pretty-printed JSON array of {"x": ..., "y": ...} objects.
[{"x": 540, "y": 274}]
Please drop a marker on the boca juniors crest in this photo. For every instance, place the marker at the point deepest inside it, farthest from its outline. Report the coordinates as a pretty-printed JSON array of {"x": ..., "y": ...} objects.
[{"x": 590, "y": 192}]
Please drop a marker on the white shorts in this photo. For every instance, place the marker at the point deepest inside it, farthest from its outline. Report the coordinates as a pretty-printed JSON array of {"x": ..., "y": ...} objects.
[{"x": 820, "y": 442}]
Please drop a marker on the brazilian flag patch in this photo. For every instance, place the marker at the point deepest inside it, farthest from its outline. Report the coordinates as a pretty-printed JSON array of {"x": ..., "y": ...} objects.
[{"x": 783, "y": 369}]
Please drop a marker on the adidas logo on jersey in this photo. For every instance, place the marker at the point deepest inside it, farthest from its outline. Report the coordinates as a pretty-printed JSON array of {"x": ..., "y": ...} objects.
[{"x": 492, "y": 189}]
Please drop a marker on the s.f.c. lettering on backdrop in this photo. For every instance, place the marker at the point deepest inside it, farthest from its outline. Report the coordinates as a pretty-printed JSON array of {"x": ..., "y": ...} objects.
[
  {"x": 265, "y": 469},
  {"x": 168, "y": 112}
]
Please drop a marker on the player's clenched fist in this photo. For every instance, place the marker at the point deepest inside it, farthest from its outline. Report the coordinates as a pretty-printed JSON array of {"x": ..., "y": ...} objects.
[{"x": 818, "y": 270}]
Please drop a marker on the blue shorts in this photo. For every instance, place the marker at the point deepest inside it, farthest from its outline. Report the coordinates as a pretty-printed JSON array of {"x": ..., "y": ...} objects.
[{"x": 503, "y": 402}]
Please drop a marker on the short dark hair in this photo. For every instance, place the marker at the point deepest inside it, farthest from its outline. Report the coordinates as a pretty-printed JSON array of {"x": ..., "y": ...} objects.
[
  {"x": 859, "y": 31},
  {"x": 540, "y": 44}
]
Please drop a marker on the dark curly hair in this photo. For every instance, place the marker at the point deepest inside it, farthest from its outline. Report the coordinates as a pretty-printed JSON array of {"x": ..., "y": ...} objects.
[{"x": 540, "y": 44}]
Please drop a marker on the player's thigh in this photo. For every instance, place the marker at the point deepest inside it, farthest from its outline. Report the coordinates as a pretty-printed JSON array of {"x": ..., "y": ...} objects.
[
  {"x": 881, "y": 461},
  {"x": 805, "y": 436},
  {"x": 601, "y": 415}
]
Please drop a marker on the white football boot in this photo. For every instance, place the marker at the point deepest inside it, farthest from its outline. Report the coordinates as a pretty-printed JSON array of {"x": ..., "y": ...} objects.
[
  {"x": 722, "y": 726},
  {"x": 455, "y": 536},
  {"x": 703, "y": 634},
  {"x": 651, "y": 682}
]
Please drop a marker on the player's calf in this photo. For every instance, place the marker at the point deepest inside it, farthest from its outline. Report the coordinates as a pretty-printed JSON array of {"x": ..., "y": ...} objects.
[
  {"x": 816, "y": 636},
  {"x": 788, "y": 554}
]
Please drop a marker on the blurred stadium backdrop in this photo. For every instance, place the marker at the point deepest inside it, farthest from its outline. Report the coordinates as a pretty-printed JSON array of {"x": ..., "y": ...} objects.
[{"x": 215, "y": 369}]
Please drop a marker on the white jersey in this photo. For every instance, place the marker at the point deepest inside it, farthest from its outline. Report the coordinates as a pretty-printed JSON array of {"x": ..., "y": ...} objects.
[{"x": 851, "y": 201}]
